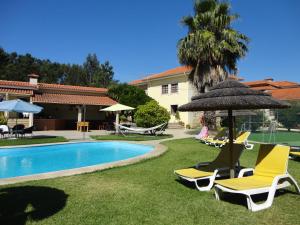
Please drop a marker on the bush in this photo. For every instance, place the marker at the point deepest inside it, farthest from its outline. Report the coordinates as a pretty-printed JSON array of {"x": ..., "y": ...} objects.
[
  {"x": 290, "y": 117},
  {"x": 151, "y": 114}
]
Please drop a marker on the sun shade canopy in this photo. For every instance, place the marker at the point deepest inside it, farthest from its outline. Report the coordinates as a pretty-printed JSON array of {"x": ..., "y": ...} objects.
[
  {"x": 19, "y": 106},
  {"x": 117, "y": 107},
  {"x": 231, "y": 94}
]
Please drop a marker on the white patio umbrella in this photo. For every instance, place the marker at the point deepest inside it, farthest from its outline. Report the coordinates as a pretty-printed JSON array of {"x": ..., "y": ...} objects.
[
  {"x": 19, "y": 106},
  {"x": 117, "y": 108}
]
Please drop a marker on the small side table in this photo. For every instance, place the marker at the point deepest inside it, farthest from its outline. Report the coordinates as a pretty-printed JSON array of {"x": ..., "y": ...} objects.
[{"x": 81, "y": 125}]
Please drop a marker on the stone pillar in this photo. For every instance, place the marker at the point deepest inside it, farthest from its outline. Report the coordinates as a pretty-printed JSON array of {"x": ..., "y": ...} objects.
[
  {"x": 30, "y": 123},
  {"x": 6, "y": 114},
  {"x": 79, "y": 116}
]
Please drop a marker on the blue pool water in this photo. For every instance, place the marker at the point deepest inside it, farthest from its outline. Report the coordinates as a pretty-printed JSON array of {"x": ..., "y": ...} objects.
[{"x": 16, "y": 162}]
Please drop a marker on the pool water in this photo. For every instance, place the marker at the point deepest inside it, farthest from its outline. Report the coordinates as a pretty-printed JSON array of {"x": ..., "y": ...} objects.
[{"x": 23, "y": 161}]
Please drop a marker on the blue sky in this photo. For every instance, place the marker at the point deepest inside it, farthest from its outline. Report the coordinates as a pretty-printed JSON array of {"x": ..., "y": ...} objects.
[{"x": 139, "y": 37}]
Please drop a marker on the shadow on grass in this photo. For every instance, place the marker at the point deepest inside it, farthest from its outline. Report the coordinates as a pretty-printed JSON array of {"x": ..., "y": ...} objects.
[
  {"x": 192, "y": 185},
  {"x": 240, "y": 199},
  {"x": 19, "y": 204}
]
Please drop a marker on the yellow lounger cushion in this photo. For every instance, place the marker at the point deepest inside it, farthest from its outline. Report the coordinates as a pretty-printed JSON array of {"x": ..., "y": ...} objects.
[
  {"x": 246, "y": 183},
  {"x": 295, "y": 153},
  {"x": 193, "y": 173}
]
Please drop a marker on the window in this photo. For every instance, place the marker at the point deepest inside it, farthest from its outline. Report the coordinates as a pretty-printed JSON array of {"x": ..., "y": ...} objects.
[
  {"x": 164, "y": 89},
  {"x": 174, "y": 109},
  {"x": 174, "y": 88}
]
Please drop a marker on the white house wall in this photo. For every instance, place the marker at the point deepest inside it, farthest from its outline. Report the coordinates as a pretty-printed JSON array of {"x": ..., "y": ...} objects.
[{"x": 183, "y": 96}]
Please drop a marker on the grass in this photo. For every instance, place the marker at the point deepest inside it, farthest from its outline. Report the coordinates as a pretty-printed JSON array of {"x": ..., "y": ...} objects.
[
  {"x": 143, "y": 193},
  {"x": 131, "y": 137},
  {"x": 292, "y": 138},
  {"x": 31, "y": 140}
]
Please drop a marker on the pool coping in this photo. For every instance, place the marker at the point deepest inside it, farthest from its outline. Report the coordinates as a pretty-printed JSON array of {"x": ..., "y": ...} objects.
[{"x": 158, "y": 150}]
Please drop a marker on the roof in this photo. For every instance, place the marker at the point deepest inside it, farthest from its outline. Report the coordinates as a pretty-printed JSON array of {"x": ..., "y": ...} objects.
[
  {"x": 286, "y": 93},
  {"x": 16, "y": 91},
  {"x": 263, "y": 88},
  {"x": 17, "y": 84},
  {"x": 56, "y": 87},
  {"x": 175, "y": 71},
  {"x": 71, "y": 88},
  {"x": 276, "y": 84},
  {"x": 72, "y": 99}
]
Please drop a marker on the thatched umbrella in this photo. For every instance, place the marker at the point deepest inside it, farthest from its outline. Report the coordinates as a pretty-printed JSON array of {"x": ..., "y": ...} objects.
[{"x": 232, "y": 95}]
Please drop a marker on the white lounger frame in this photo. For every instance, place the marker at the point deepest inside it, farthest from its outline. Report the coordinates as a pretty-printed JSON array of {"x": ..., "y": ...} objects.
[
  {"x": 210, "y": 178},
  {"x": 279, "y": 182}
]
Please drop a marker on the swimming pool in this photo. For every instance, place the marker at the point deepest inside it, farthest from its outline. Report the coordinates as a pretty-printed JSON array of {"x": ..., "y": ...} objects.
[{"x": 21, "y": 161}]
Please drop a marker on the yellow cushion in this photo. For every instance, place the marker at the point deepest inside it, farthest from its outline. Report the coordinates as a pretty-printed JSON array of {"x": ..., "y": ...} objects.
[
  {"x": 246, "y": 183},
  {"x": 295, "y": 153},
  {"x": 243, "y": 137},
  {"x": 218, "y": 142},
  {"x": 272, "y": 160},
  {"x": 193, "y": 173}
]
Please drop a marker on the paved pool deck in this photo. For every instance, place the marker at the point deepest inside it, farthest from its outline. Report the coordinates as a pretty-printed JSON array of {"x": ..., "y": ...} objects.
[{"x": 77, "y": 135}]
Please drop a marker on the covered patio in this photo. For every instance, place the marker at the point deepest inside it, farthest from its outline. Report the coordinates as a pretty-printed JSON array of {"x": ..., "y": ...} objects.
[{"x": 63, "y": 111}]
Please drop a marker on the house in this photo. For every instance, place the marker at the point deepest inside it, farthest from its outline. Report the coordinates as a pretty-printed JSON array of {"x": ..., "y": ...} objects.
[
  {"x": 63, "y": 104},
  {"x": 172, "y": 88}
]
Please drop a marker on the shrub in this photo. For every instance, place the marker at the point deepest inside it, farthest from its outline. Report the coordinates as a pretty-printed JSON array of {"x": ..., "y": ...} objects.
[{"x": 151, "y": 114}]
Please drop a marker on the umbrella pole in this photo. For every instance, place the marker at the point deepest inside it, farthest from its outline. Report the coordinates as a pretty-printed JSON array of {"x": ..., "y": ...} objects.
[{"x": 230, "y": 118}]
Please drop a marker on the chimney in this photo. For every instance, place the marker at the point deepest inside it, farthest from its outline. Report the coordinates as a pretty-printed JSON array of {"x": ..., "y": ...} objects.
[
  {"x": 33, "y": 79},
  {"x": 269, "y": 79}
]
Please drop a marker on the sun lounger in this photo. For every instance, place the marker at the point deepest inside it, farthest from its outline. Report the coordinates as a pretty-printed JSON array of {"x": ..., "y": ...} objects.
[
  {"x": 295, "y": 154},
  {"x": 241, "y": 139},
  {"x": 211, "y": 170},
  {"x": 220, "y": 135},
  {"x": 270, "y": 174}
]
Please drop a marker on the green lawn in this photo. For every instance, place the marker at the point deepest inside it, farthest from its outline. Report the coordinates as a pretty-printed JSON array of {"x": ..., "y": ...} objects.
[
  {"x": 131, "y": 137},
  {"x": 31, "y": 140},
  {"x": 292, "y": 138},
  {"x": 144, "y": 193}
]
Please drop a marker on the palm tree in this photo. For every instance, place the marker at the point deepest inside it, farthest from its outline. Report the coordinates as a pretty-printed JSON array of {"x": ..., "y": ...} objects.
[{"x": 212, "y": 47}]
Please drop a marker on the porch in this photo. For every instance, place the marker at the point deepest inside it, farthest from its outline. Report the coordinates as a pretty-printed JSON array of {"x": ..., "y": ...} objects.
[{"x": 66, "y": 117}]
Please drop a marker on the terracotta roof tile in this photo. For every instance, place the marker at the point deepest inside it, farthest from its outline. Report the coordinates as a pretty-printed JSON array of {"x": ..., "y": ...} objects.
[
  {"x": 20, "y": 84},
  {"x": 73, "y": 99},
  {"x": 286, "y": 93},
  {"x": 278, "y": 84},
  {"x": 71, "y": 88},
  {"x": 16, "y": 91},
  {"x": 263, "y": 88},
  {"x": 285, "y": 83},
  {"x": 174, "y": 71}
]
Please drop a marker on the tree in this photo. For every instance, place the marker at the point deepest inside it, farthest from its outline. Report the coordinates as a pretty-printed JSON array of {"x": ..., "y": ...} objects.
[
  {"x": 91, "y": 66},
  {"x": 212, "y": 47},
  {"x": 290, "y": 117},
  {"x": 92, "y": 73},
  {"x": 98, "y": 75},
  {"x": 151, "y": 114},
  {"x": 128, "y": 95}
]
